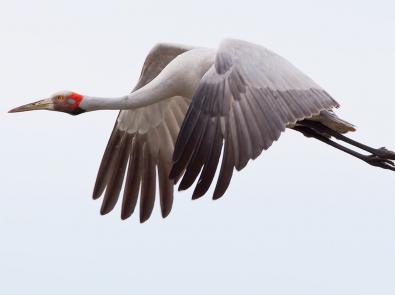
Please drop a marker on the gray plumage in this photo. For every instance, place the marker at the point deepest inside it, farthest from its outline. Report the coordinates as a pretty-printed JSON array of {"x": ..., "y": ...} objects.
[
  {"x": 242, "y": 103},
  {"x": 246, "y": 99},
  {"x": 190, "y": 106}
]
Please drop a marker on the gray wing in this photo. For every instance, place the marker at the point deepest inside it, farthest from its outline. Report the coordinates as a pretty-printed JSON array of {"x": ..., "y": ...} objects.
[
  {"x": 141, "y": 146},
  {"x": 241, "y": 105}
]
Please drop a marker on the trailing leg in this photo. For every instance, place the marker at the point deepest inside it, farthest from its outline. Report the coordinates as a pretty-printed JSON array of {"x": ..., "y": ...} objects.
[
  {"x": 372, "y": 159},
  {"x": 320, "y": 128}
]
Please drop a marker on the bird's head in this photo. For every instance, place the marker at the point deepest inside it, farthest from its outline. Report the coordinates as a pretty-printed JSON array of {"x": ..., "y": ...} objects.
[{"x": 62, "y": 101}]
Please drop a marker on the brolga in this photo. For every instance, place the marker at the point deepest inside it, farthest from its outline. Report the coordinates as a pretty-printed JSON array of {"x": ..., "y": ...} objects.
[{"x": 191, "y": 105}]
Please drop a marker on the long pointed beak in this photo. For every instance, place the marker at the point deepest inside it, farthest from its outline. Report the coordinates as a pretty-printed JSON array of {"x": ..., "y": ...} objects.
[{"x": 44, "y": 104}]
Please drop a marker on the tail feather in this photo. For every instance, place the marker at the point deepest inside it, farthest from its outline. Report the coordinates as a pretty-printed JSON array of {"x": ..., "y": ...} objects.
[{"x": 331, "y": 120}]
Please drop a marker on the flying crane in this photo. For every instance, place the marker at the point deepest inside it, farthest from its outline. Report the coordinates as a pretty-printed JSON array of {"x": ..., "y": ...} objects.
[{"x": 191, "y": 105}]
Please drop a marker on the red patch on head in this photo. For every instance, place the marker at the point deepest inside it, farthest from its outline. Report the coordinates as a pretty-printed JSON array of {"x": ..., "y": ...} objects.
[{"x": 77, "y": 98}]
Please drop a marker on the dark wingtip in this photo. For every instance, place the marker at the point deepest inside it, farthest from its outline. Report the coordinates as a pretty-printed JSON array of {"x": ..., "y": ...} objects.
[
  {"x": 106, "y": 207},
  {"x": 173, "y": 173},
  {"x": 216, "y": 196},
  {"x": 183, "y": 186},
  {"x": 180, "y": 189},
  {"x": 219, "y": 192},
  {"x": 199, "y": 191},
  {"x": 95, "y": 195},
  {"x": 104, "y": 211},
  {"x": 196, "y": 195},
  {"x": 165, "y": 209},
  {"x": 166, "y": 212},
  {"x": 125, "y": 215},
  {"x": 144, "y": 218}
]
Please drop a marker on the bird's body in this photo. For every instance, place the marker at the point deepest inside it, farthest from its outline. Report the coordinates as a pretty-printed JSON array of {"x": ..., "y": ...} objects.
[{"x": 192, "y": 104}]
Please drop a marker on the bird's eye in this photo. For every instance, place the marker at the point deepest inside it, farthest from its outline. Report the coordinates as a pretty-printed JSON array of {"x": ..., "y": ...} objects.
[{"x": 60, "y": 98}]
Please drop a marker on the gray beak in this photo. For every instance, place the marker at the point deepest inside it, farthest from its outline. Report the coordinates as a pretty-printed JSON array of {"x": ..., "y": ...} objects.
[{"x": 44, "y": 104}]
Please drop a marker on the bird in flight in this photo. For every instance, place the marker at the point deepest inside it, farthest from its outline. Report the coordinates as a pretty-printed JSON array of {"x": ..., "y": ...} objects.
[{"x": 192, "y": 104}]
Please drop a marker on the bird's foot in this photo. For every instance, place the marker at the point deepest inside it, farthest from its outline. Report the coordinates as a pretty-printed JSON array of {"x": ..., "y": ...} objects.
[
  {"x": 378, "y": 161},
  {"x": 384, "y": 154}
]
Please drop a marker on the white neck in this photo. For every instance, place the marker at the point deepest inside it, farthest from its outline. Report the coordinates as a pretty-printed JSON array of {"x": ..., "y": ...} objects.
[
  {"x": 179, "y": 78},
  {"x": 144, "y": 96}
]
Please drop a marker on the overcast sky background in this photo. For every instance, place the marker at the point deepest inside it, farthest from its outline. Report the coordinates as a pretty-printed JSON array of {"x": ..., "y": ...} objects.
[{"x": 302, "y": 219}]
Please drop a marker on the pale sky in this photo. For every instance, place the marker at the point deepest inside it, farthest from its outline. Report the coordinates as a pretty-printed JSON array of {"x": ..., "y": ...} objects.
[{"x": 301, "y": 219}]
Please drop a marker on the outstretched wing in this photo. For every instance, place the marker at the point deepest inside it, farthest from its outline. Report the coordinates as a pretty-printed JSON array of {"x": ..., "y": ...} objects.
[
  {"x": 242, "y": 104},
  {"x": 141, "y": 146}
]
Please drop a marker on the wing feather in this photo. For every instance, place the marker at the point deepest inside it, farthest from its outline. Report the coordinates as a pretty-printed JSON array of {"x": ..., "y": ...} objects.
[
  {"x": 211, "y": 162},
  {"x": 254, "y": 94},
  {"x": 105, "y": 169},
  {"x": 141, "y": 146},
  {"x": 133, "y": 178},
  {"x": 148, "y": 184},
  {"x": 115, "y": 182}
]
